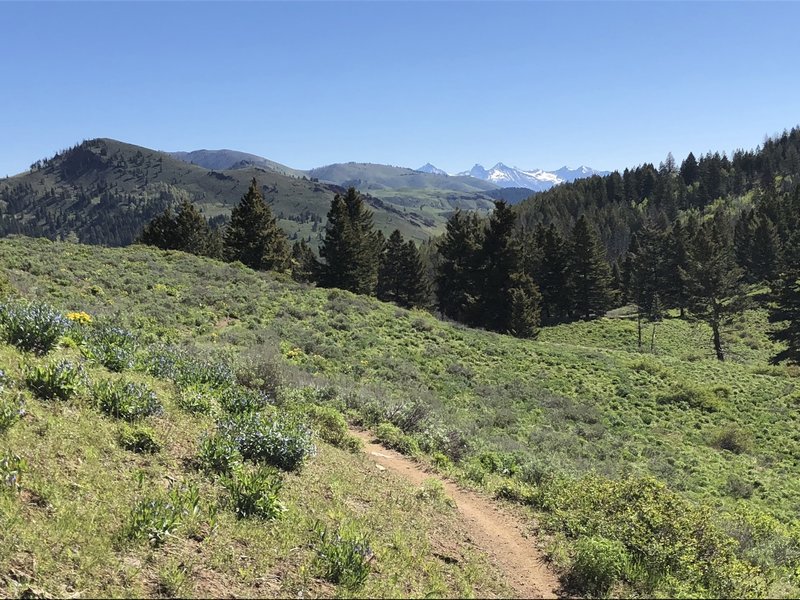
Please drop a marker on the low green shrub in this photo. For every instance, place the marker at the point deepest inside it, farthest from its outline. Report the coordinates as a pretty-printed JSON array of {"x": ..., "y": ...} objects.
[
  {"x": 138, "y": 438},
  {"x": 599, "y": 564},
  {"x": 169, "y": 362},
  {"x": 393, "y": 437},
  {"x": 254, "y": 492},
  {"x": 684, "y": 394},
  {"x": 11, "y": 469},
  {"x": 343, "y": 556},
  {"x": 56, "y": 380},
  {"x": 32, "y": 326},
  {"x": 331, "y": 427},
  {"x": 432, "y": 491},
  {"x": 734, "y": 439},
  {"x": 217, "y": 454},
  {"x": 126, "y": 400},
  {"x": 283, "y": 441}
]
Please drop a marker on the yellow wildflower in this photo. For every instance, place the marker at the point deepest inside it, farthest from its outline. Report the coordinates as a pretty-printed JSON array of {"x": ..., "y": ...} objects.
[{"x": 80, "y": 317}]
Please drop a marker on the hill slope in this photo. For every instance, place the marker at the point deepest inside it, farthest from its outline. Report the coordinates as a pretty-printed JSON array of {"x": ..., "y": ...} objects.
[
  {"x": 679, "y": 464},
  {"x": 222, "y": 160},
  {"x": 104, "y": 191}
]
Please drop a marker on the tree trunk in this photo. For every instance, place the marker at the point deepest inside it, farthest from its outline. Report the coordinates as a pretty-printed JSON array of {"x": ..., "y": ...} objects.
[
  {"x": 653, "y": 338},
  {"x": 717, "y": 340},
  {"x": 639, "y": 325}
]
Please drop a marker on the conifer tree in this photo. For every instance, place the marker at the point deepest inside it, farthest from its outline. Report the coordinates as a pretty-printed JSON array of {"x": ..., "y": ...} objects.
[
  {"x": 351, "y": 247},
  {"x": 553, "y": 280},
  {"x": 713, "y": 281},
  {"x": 786, "y": 309},
  {"x": 501, "y": 262},
  {"x": 305, "y": 266},
  {"x": 186, "y": 230},
  {"x": 253, "y": 236},
  {"x": 589, "y": 272},
  {"x": 765, "y": 251},
  {"x": 458, "y": 277},
  {"x": 675, "y": 292},
  {"x": 525, "y": 303},
  {"x": 401, "y": 277}
]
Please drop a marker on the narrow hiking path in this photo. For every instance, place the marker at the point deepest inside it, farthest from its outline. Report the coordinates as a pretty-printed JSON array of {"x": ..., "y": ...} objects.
[{"x": 490, "y": 529}]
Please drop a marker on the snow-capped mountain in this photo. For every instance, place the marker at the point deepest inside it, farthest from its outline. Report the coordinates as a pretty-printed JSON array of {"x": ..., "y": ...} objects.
[
  {"x": 429, "y": 168},
  {"x": 537, "y": 180},
  {"x": 505, "y": 176}
]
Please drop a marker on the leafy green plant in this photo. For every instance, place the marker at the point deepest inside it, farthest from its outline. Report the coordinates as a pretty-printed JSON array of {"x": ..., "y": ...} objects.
[
  {"x": 169, "y": 362},
  {"x": 138, "y": 438},
  {"x": 158, "y": 518},
  {"x": 254, "y": 492},
  {"x": 217, "y": 454},
  {"x": 11, "y": 469},
  {"x": 57, "y": 380},
  {"x": 32, "y": 326},
  {"x": 125, "y": 400},
  {"x": 283, "y": 441},
  {"x": 12, "y": 409},
  {"x": 343, "y": 555},
  {"x": 196, "y": 399},
  {"x": 112, "y": 347},
  {"x": 239, "y": 400}
]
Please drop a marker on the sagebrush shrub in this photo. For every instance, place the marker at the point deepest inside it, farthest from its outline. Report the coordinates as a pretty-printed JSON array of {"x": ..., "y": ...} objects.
[
  {"x": 332, "y": 427},
  {"x": 126, "y": 400},
  {"x": 169, "y": 362},
  {"x": 58, "y": 380},
  {"x": 343, "y": 556},
  {"x": 32, "y": 326},
  {"x": 393, "y": 437},
  {"x": 693, "y": 397},
  {"x": 733, "y": 439},
  {"x": 254, "y": 492}
]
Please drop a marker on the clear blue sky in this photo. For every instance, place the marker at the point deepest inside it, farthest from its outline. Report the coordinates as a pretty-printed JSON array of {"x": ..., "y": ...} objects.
[{"x": 307, "y": 84}]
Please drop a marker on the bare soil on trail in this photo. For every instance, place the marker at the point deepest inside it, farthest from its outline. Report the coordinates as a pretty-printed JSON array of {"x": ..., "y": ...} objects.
[{"x": 500, "y": 535}]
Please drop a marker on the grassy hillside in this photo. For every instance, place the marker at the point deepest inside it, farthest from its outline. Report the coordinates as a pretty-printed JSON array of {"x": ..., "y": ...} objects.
[
  {"x": 664, "y": 473},
  {"x": 222, "y": 160}
]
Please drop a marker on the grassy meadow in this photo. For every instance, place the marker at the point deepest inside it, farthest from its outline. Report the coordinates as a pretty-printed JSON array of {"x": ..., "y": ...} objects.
[{"x": 656, "y": 473}]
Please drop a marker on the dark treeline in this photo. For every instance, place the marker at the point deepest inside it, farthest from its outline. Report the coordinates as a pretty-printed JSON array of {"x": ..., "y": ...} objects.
[{"x": 654, "y": 239}]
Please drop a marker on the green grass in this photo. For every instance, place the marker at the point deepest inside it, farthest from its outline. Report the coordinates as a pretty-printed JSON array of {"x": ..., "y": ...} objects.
[{"x": 525, "y": 418}]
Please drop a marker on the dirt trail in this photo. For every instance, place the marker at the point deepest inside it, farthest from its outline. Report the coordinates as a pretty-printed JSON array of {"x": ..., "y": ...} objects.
[{"x": 492, "y": 530}]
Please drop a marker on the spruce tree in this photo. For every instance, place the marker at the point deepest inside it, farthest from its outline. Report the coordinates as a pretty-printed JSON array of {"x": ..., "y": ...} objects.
[
  {"x": 675, "y": 292},
  {"x": 253, "y": 236},
  {"x": 553, "y": 280},
  {"x": 459, "y": 272},
  {"x": 713, "y": 279},
  {"x": 501, "y": 262},
  {"x": 589, "y": 272},
  {"x": 305, "y": 266},
  {"x": 391, "y": 282},
  {"x": 786, "y": 310},
  {"x": 417, "y": 288},
  {"x": 765, "y": 251},
  {"x": 351, "y": 247}
]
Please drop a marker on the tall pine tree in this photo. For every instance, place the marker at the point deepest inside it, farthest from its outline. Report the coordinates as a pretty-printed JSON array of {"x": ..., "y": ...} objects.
[
  {"x": 401, "y": 276},
  {"x": 253, "y": 236},
  {"x": 186, "y": 229},
  {"x": 786, "y": 310}
]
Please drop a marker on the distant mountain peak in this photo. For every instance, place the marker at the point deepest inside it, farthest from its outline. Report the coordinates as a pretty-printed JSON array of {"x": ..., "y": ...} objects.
[{"x": 429, "y": 168}]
